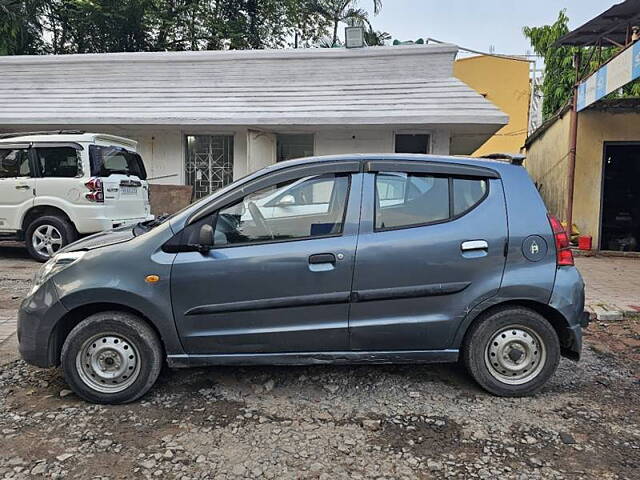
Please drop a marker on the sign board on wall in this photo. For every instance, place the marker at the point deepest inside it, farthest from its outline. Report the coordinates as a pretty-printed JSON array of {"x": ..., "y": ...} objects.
[{"x": 612, "y": 76}]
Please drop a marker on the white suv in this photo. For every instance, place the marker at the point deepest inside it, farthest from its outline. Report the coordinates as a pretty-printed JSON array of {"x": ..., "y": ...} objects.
[{"x": 55, "y": 186}]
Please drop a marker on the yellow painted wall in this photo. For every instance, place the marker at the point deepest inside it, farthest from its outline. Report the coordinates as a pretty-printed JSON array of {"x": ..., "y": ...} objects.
[
  {"x": 505, "y": 83},
  {"x": 547, "y": 165},
  {"x": 547, "y": 161}
]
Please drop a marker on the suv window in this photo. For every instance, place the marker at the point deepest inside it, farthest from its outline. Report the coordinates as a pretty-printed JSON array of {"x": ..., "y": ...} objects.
[
  {"x": 408, "y": 199},
  {"x": 14, "y": 163},
  {"x": 268, "y": 215},
  {"x": 62, "y": 162},
  {"x": 109, "y": 160}
]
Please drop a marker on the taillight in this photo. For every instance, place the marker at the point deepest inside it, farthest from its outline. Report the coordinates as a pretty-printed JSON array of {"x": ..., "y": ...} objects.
[
  {"x": 96, "y": 192},
  {"x": 564, "y": 256}
]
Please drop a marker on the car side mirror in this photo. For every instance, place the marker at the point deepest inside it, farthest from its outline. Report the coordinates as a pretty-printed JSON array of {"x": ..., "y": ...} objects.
[
  {"x": 205, "y": 238},
  {"x": 286, "y": 201}
]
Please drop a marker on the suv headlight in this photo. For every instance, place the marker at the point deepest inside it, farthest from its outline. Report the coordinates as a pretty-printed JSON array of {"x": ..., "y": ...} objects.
[{"x": 55, "y": 265}]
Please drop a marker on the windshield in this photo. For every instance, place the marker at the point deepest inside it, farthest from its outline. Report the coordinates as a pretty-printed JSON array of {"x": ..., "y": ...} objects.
[{"x": 110, "y": 160}]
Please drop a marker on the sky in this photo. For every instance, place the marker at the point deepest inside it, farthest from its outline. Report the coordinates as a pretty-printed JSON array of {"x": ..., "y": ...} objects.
[{"x": 479, "y": 24}]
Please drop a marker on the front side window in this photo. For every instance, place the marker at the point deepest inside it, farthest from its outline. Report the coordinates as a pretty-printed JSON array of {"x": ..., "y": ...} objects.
[
  {"x": 106, "y": 161},
  {"x": 303, "y": 208},
  {"x": 64, "y": 162},
  {"x": 404, "y": 199},
  {"x": 14, "y": 163}
]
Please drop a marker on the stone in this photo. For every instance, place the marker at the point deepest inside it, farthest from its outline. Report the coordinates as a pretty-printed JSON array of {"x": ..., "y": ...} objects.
[
  {"x": 567, "y": 438},
  {"x": 373, "y": 425},
  {"x": 64, "y": 457},
  {"x": 269, "y": 385},
  {"x": 40, "y": 469},
  {"x": 65, "y": 393},
  {"x": 148, "y": 464}
]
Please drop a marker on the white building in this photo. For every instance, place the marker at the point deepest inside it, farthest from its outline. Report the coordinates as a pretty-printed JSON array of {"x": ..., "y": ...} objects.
[{"x": 203, "y": 118}]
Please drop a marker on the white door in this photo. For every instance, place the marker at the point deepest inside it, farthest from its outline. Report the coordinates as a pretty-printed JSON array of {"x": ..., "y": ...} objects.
[
  {"x": 16, "y": 186},
  {"x": 261, "y": 149}
]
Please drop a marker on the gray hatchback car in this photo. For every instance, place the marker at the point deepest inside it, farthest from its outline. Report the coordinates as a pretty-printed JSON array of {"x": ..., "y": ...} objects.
[{"x": 345, "y": 259}]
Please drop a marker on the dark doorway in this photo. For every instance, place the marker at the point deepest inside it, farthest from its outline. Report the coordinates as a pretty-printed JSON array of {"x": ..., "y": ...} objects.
[
  {"x": 621, "y": 198},
  {"x": 406, "y": 143}
]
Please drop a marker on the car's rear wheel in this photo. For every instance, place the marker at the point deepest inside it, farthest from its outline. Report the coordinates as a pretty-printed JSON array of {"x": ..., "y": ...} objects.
[
  {"x": 512, "y": 351},
  {"x": 111, "y": 358},
  {"x": 45, "y": 236}
]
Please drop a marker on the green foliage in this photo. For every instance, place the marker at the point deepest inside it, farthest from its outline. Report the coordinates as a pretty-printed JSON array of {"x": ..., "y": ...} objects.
[
  {"x": 91, "y": 26},
  {"x": 560, "y": 75}
]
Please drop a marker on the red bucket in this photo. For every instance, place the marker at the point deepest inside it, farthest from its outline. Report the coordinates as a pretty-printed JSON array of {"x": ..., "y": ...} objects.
[{"x": 584, "y": 242}]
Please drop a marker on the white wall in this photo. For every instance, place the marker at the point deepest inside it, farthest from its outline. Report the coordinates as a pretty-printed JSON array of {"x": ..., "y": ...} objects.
[{"x": 163, "y": 147}]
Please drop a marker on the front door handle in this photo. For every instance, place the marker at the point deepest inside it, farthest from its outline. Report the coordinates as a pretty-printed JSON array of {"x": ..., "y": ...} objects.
[
  {"x": 22, "y": 187},
  {"x": 320, "y": 258},
  {"x": 474, "y": 245}
]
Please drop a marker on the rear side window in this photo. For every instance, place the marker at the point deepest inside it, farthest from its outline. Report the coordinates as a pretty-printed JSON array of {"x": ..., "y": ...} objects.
[
  {"x": 14, "y": 163},
  {"x": 60, "y": 162},
  {"x": 106, "y": 161},
  {"x": 467, "y": 193},
  {"x": 408, "y": 199}
]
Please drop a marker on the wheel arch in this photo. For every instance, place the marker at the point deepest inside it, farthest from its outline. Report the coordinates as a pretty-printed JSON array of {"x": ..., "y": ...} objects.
[
  {"x": 43, "y": 210},
  {"x": 557, "y": 320},
  {"x": 73, "y": 317}
]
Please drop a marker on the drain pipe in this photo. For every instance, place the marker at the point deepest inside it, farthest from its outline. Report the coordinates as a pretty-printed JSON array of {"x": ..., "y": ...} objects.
[{"x": 573, "y": 144}]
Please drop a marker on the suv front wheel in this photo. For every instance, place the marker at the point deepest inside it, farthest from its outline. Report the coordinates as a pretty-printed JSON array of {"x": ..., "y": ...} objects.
[
  {"x": 512, "y": 352},
  {"x": 46, "y": 235}
]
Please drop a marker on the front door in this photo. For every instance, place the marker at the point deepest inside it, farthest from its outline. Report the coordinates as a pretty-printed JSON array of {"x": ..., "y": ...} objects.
[
  {"x": 17, "y": 186},
  {"x": 431, "y": 247},
  {"x": 275, "y": 281}
]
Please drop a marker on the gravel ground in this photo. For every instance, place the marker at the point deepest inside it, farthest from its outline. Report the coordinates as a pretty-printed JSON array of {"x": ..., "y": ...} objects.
[{"x": 327, "y": 422}]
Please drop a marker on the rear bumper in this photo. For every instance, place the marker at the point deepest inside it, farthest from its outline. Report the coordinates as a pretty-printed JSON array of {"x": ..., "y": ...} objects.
[{"x": 568, "y": 299}]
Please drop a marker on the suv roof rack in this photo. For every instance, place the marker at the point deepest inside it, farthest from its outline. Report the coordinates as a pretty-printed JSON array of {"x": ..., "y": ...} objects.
[{"x": 44, "y": 132}]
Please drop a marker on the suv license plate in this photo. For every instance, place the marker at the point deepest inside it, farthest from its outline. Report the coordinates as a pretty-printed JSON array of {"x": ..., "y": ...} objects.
[{"x": 129, "y": 190}]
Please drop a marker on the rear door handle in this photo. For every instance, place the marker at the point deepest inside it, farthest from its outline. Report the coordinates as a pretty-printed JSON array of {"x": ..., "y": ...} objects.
[
  {"x": 474, "y": 245},
  {"x": 22, "y": 187},
  {"x": 320, "y": 258}
]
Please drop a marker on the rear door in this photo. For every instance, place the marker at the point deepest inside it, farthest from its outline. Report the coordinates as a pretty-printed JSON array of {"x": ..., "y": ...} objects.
[
  {"x": 432, "y": 243},
  {"x": 60, "y": 175},
  {"x": 123, "y": 175},
  {"x": 17, "y": 185}
]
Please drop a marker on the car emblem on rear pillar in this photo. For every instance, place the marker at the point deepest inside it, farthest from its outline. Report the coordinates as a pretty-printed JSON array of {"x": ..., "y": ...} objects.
[{"x": 534, "y": 248}]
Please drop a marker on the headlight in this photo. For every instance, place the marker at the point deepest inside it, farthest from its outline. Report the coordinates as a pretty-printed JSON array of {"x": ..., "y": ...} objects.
[{"x": 55, "y": 265}]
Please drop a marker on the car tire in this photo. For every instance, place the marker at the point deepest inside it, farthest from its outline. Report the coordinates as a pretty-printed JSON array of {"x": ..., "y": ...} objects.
[
  {"x": 511, "y": 352},
  {"x": 48, "y": 234},
  {"x": 111, "y": 358}
]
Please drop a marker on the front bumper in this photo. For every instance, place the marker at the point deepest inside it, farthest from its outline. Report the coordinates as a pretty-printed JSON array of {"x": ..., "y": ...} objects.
[{"x": 38, "y": 319}]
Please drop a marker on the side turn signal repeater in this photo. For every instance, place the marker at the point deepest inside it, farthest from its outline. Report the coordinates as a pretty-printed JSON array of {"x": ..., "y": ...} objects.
[{"x": 152, "y": 278}]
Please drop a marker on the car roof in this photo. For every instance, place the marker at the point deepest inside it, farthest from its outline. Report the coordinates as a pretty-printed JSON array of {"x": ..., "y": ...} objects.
[
  {"x": 79, "y": 137},
  {"x": 478, "y": 162}
]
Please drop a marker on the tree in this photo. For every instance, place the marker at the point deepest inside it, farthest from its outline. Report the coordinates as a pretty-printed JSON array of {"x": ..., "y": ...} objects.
[
  {"x": 345, "y": 11},
  {"x": 560, "y": 75},
  {"x": 20, "y": 33}
]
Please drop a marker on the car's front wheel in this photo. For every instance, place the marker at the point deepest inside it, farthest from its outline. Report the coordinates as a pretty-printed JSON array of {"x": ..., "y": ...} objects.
[
  {"x": 111, "y": 358},
  {"x": 512, "y": 351}
]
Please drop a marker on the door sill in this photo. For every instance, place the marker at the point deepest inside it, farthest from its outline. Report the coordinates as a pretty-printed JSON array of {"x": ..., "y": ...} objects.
[{"x": 314, "y": 358}]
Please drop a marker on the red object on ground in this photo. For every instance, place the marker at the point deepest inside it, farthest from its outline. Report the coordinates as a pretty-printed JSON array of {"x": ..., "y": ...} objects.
[{"x": 584, "y": 242}]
